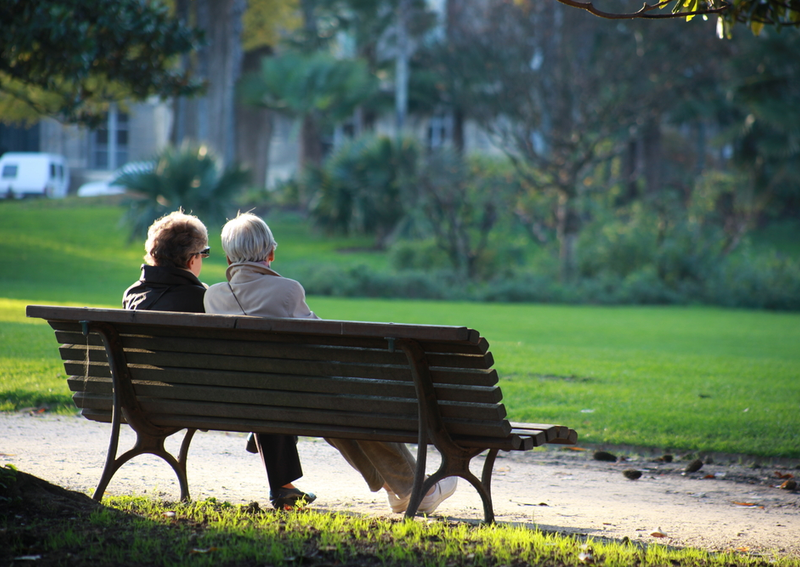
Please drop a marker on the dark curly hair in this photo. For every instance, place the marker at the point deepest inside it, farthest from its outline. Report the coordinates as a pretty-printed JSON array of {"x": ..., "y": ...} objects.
[{"x": 173, "y": 239}]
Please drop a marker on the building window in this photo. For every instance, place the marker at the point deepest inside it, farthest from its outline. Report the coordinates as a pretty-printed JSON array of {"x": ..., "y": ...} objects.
[
  {"x": 110, "y": 141},
  {"x": 440, "y": 130}
]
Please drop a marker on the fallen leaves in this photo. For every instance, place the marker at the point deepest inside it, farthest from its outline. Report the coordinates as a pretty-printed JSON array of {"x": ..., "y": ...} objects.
[{"x": 749, "y": 505}]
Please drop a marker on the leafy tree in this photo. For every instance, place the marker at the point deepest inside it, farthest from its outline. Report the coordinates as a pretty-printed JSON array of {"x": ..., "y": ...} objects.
[
  {"x": 760, "y": 114},
  {"x": 188, "y": 177},
  {"x": 70, "y": 58},
  {"x": 265, "y": 20},
  {"x": 460, "y": 202},
  {"x": 548, "y": 84}
]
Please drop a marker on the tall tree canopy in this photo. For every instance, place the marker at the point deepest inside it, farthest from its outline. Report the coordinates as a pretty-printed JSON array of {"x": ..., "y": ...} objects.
[{"x": 69, "y": 58}]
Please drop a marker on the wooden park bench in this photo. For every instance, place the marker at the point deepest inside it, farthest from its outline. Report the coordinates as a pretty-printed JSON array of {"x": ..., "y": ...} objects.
[{"x": 162, "y": 372}]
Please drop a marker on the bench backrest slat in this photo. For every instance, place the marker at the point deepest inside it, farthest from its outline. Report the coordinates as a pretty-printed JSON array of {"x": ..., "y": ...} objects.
[
  {"x": 351, "y": 401},
  {"x": 328, "y": 384}
]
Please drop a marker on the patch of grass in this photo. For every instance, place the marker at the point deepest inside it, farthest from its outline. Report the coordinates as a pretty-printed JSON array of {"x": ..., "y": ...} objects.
[{"x": 141, "y": 531}]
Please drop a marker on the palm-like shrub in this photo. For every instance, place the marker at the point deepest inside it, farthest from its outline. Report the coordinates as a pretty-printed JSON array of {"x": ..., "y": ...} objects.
[
  {"x": 359, "y": 189},
  {"x": 189, "y": 177}
]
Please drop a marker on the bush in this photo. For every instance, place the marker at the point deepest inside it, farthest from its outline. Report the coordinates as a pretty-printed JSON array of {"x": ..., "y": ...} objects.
[
  {"x": 358, "y": 189},
  {"x": 362, "y": 281},
  {"x": 747, "y": 281},
  {"x": 188, "y": 178},
  {"x": 416, "y": 255},
  {"x": 757, "y": 281}
]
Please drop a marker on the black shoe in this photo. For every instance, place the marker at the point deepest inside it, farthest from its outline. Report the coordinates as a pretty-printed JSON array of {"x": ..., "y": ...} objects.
[
  {"x": 251, "y": 443},
  {"x": 290, "y": 498}
]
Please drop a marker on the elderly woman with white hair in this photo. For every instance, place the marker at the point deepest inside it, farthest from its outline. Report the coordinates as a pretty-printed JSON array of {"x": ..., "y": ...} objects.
[{"x": 254, "y": 288}]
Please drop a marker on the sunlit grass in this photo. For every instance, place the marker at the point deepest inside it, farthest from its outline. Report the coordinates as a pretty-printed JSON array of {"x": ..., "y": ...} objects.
[{"x": 139, "y": 531}]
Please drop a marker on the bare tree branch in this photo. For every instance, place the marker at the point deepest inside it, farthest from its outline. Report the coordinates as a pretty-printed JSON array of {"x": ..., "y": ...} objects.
[{"x": 645, "y": 10}]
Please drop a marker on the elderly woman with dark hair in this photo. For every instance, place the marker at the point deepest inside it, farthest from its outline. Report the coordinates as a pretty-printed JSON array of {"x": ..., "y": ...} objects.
[
  {"x": 176, "y": 246},
  {"x": 254, "y": 288}
]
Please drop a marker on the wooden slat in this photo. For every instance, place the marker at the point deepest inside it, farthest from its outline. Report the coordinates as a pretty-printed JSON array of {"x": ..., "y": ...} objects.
[
  {"x": 555, "y": 433},
  {"x": 54, "y": 314},
  {"x": 172, "y": 347},
  {"x": 538, "y": 438},
  {"x": 486, "y": 378},
  {"x": 321, "y": 419},
  {"x": 332, "y": 385},
  {"x": 308, "y": 400},
  {"x": 76, "y": 337}
]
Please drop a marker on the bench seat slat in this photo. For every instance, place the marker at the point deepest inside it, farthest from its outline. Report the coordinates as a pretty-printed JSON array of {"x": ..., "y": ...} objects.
[{"x": 557, "y": 434}]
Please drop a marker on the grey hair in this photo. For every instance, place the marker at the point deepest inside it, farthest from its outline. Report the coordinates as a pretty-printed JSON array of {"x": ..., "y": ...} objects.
[{"x": 247, "y": 238}]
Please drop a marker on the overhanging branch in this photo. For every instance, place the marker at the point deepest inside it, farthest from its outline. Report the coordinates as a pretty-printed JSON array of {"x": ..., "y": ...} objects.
[{"x": 645, "y": 10}]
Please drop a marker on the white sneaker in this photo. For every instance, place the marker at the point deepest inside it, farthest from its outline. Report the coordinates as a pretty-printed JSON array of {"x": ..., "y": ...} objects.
[
  {"x": 397, "y": 504},
  {"x": 440, "y": 492}
]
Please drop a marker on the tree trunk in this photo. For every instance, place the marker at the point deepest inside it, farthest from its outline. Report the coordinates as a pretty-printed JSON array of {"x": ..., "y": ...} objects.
[
  {"x": 311, "y": 145},
  {"x": 211, "y": 118},
  {"x": 652, "y": 158},
  {"x": 254, "y": 127},
  {"x": 180, "y": 104},
  {"x": 401, "y": 66},
  {"x": 458, "y": 130},
  {"x": 224, "y": 68},
  {"x": 567, "y": 229}
]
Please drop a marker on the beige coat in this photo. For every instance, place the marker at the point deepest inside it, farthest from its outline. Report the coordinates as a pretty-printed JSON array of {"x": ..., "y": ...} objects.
[{"x": 254, "y": 289}]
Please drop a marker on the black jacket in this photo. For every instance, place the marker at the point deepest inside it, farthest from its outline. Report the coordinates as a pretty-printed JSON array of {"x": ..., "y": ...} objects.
[{"x": 165, "y": 289}]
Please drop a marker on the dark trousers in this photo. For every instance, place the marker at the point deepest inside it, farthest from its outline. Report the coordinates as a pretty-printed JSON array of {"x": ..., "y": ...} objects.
[{"x": 280, "y": 458}]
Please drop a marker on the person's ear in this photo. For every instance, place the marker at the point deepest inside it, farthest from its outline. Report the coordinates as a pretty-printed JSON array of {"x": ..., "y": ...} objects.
[
  {"x": 228, "y": 260},
  {"x": 195, "y": 264},
  {"x": 271, "y": 257}
]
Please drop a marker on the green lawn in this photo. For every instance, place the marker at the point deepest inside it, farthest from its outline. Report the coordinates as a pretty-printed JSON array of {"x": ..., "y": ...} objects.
[{"x": 684, "y": 379}]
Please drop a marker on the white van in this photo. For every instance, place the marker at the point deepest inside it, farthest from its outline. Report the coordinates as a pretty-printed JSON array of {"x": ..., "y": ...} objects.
[{"x": 33, "y": 173}]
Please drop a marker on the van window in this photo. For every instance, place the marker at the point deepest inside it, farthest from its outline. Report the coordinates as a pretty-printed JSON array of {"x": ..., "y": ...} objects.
[
  {"x": 52, "y": 171},
  {"x": 9, "y": 171},
  {"x": 60, "y": 171}
]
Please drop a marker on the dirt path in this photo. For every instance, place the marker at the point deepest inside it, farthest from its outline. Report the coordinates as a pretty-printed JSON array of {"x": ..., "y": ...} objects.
[{"x": 724, "y": 506}]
